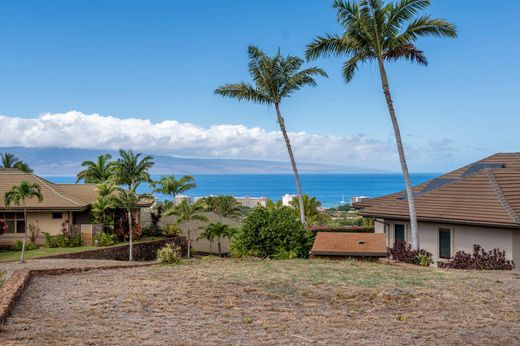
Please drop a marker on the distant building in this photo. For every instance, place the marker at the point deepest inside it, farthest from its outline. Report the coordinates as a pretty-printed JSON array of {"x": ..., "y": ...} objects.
[
  {"x": 252, "y": 202},
  {"x": 287, "y": 198},
  {"x": 357, "y": 199},
  {"x": 180, "y": 198}
]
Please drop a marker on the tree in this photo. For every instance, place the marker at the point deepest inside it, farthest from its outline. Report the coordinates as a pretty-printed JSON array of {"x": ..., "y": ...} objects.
[
  {"x": 275, "y": 78},
  {"x": 207, "y": 234},
  {"x": 11, "y": 161},
  {"x": 219, "y": 230},
  {"x": 131, "y": 170},
  {"x": 312, "y": 205},
  {"x": 170, "y": 186},
  {"x": 105, "y": 202},
  {"x": 97, "y": 172},
  {"x": 379, "y": 32},
  {"x": 278, "y": 204},
  {"x": 187, "y": 213},
  {"x": 223, "y": 206},
  {"x": 17, "y": 196}
]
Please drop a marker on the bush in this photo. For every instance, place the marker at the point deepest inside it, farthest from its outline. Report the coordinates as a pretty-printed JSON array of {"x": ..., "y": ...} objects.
[
  {"x": 271, "y": 233},
  {"x": 402, "y": 252},
  {"x": 4, "y": 227},
  {"x": 34, "y": 231},
  {"x": 18, "y": 246},
  {"x": 104, "y": 239},
  {"x": 479, "y": 259},
  {"x": 172, "y": 230},
  {"x": 62, "y": 240},
  {"x": 169, "y": 254}
]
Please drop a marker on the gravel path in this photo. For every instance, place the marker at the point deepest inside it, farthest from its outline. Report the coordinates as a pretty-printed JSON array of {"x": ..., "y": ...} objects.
[{"x": 225, "y": 303}]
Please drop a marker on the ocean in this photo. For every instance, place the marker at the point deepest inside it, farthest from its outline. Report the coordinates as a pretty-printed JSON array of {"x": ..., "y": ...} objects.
[{"x": 329, "y": 189}]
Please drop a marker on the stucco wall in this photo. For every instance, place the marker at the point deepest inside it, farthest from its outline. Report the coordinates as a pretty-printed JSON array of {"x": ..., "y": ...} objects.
[
  {"x": 46, "y": 223},
  {"x": 463, "y": 237}
]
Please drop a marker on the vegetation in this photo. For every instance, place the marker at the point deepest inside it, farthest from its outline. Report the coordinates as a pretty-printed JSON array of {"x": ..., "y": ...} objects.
[
  {"x": 223, "y": 206},
  {"x": 4, "y": 227},
  {"x": 402, "y": 252},
  {"x": 68, "y": 237},
  {"x": 99, "y": 172},
  {"x": 104, "y": 204},
  {"x": 217, "y": 230},
  {"x": 379, "y": 32},
  {"x": 131, "y": 170},
  {"x": 19, "y": 245},
  {"x": 42, "y": 252},
  {"x": 275, "y": 78},
  {"x": 270, "y": 233},
  {"x": 170, "y": 186},
  {"x": 311, "y": 205},
  {"x": 104, "y": 239},
  {"x": 479, "y": 259},
  {"x": 10, "y": 161},
  {"x": 169, "y": 254},
  {"x": 17, "y": 196},
  {"x": 187, "y": 213}
]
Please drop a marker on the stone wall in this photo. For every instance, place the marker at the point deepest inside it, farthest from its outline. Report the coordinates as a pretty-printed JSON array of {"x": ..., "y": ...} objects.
[{"x": 142, "y": 251}]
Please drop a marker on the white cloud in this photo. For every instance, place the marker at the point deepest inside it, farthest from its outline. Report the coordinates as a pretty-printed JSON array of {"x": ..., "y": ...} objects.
[{"x": 93, "y": 131}]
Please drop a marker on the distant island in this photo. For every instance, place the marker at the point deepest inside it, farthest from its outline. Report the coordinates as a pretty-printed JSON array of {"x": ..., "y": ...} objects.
[{"x": 66, "y": 161}]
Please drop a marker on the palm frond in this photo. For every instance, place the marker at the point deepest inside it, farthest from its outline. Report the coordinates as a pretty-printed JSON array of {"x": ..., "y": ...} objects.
[
  {"x": 408, "y": 52},
  {"x": 243, "y": 91}
]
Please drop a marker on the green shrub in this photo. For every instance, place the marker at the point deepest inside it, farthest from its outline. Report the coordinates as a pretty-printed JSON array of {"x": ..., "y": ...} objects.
[
  {"x": 173, "y": 230},
  {"x": 62, "y": 240},
  {"x": 169, "y": 254},
  {"x": 104, "y": 239},
  {"x": 18, "y": 246},
  {"x": 271, "y": 233}
]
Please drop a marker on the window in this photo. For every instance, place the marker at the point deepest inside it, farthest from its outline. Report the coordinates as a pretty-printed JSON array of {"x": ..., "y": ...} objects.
[
  {"x": 15, "y": 222},
  {"x": 444, "y": 243},
  {"x": 57, "y": 215},
  {"x": 399, "y": 233}
]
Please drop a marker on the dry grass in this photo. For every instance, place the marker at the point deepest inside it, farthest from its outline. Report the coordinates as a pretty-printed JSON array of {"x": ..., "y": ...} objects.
[{"x": 214, "y": 301}]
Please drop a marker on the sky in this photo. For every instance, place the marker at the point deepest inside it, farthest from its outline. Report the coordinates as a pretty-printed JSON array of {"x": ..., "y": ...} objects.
[{"x": 141, "y": 74}]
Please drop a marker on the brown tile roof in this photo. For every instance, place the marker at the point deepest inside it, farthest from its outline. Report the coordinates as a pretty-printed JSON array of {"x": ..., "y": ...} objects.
[
  {"x": 486, "y": 193},
  {"x": 55, "y": 196},
  {"x": 349, "y": 244}
]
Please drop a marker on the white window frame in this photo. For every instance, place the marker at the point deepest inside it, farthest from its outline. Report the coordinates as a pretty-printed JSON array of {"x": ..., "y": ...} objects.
[{"x": 444, "y": 228}]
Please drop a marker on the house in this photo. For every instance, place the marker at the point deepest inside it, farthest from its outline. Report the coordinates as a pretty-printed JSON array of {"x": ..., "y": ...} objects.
[
  {"x": 60, "y": 202},
  {"x": 476, "y": 204}
]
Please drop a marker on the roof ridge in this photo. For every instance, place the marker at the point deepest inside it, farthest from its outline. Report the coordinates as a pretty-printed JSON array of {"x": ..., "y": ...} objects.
[
  {"x": 501, "y": 197},
  {"x": 48, "y": 184}
]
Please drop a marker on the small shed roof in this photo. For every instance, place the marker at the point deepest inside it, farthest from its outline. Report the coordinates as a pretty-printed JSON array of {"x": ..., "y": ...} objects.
[{"x": 349, "y": 244}]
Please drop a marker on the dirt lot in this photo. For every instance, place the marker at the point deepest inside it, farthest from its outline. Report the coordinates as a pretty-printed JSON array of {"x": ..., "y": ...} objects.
[{"x": 213, "y": 301}]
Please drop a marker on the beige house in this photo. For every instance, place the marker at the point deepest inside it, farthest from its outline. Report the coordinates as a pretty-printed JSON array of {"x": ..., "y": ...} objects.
[
  {"x": 60, "y": 202},
  {"x": 476, "y": 204}
]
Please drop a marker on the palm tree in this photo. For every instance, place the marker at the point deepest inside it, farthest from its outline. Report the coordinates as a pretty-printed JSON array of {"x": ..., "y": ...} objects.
[
  {"x": 131, "y": 170},
  {"x": 170, "y": 186},
  {"x": 207, "y": 234},
  {"x": 105, "y": 202},
  {"x": 97, "y": 172},
  {"x": 224, "y": 206},
  {"x": 11, "y": 161},
  {"x": 17, "y": 196},
  {"x": 375, "y": 31},
  {"x": 187, "y": 213},
  {"x": 219, "y": 230},
  {"x": 275, "y": 78},
  {"x": 312, "y": 205},
  {"x": 278, "y": 204}
]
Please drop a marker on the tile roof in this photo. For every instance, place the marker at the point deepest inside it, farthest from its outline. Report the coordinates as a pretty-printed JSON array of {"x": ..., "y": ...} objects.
[
  {"x": 55, "y": 196},
  {"x": 486, "y": 193},
  {"x": 349, "y": 244}
]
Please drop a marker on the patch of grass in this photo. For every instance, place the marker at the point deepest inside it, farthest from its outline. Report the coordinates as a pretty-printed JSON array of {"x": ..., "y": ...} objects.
[{"x": 42, "y": 252}]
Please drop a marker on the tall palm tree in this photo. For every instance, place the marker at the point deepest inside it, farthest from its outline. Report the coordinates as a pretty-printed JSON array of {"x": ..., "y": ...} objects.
[
  {"x": 224, "y": 206},
  {"x": 131, "y": 170},
  {"x": 207, "y": 234},
  {"x": 172, "y": 186},
  {"x": 187, "y": 213},
  {"x": 312, "y": 205},
  {"x": 8, "y": 160},
  {"x": 220, "y": 231},
  {"x": 17, "y": 196},
  {"x": 379, "y": 32},
  {"x": 275, "y": 78},
  {"x": 97, "y": 172}
]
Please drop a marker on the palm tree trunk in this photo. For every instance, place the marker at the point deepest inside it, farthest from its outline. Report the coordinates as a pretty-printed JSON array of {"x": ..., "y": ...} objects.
[
  {"x": 189, "y": 239},
  {"x": 25, "y": 234},
  {"x": 402, "y": 157},
  {"x": 219, "y": 248},
  {"x": 210, "y": 247},
  {"x": 130, "y": 231},
  {"x": 281, "y": 122}
]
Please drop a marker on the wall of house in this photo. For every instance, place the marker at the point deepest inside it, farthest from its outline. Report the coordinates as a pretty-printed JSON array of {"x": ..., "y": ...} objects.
[
  {"x": 45, "y": 222},
  {"x": 463, "y": 237}
]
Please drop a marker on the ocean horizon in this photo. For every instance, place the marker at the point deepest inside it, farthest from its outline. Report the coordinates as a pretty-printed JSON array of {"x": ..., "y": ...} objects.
[{"x": 329, "y": 189}]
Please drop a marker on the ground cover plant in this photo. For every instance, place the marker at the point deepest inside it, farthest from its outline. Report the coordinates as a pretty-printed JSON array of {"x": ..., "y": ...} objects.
[
  {"x": 479, "y": 259},
  {"x": 402, "y": 252}
]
